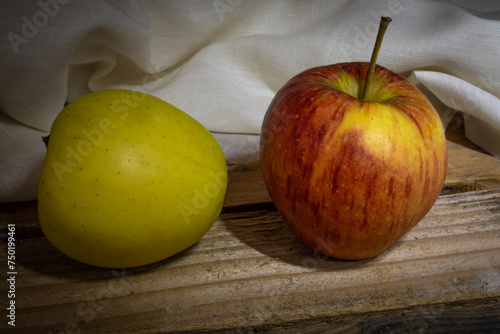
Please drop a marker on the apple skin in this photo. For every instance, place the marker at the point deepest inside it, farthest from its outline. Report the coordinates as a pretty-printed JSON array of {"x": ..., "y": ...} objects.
[
  {"x": 351, "y": 177},
  {"x": 128, "y": 179}
]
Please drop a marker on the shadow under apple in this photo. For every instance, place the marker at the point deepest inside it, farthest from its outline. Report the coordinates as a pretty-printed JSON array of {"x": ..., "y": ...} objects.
[
  {"x": 36, "y": 254},
  {"x": 265, "y": 231}
]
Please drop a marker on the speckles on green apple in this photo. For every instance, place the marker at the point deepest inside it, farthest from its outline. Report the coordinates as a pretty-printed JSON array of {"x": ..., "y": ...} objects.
[{"x": 143, "y": 172}]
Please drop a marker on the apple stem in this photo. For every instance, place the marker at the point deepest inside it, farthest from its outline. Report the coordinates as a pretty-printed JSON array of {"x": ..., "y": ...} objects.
[{"x": 384, "y": 22}]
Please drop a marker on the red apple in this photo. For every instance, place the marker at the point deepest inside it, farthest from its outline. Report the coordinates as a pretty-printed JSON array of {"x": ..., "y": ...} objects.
[{"x": 351, "y": 174}]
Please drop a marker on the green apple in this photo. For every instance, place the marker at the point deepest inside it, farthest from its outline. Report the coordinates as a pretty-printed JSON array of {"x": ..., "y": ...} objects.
[{"x": 128, "y": 180}]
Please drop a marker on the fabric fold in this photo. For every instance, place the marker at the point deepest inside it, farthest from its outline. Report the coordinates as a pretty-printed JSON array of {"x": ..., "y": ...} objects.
[{"x": 222, "y": 62}]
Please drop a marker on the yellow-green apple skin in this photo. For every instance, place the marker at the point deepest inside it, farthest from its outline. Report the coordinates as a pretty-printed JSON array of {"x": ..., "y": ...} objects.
[
  {"x": 350, "y": 176},
  {"x": 128, "y": 180}
]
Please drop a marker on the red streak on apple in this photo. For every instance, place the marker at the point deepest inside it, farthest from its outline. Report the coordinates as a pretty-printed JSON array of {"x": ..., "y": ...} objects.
[{"x": 351, "y": 177}]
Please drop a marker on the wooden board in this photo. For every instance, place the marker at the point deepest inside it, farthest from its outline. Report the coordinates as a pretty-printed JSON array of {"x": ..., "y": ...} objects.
[{"x": 251, "y": 274}]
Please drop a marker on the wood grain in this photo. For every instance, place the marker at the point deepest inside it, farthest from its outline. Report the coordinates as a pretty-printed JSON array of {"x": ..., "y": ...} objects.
[
  {"x": 469, "y": 167},
  {"x": 251, "y": 274}
]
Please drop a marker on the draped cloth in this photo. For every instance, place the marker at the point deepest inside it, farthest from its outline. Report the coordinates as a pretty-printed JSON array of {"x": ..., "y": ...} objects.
[{"x": 223, "y": 61}]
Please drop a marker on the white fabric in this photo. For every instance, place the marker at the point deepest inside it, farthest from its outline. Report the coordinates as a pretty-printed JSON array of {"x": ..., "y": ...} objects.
[{"x": 222, "y": 61}]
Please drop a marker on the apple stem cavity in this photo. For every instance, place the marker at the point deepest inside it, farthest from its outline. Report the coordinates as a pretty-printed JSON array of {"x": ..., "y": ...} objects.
[{"x": 384, "y": 22}]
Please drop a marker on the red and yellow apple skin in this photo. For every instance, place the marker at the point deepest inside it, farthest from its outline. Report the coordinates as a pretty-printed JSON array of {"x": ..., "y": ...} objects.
[{"x": 351, "y": 177}]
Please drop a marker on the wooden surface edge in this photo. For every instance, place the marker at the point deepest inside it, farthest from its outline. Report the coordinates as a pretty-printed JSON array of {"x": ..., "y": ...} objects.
[{"x": 249, "y": 274}]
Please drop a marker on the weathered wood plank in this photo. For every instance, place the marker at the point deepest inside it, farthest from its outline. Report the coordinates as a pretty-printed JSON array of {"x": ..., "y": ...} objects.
[
  {"x": 250, "y": 271},
  {"x": 469, "y": 167}
]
